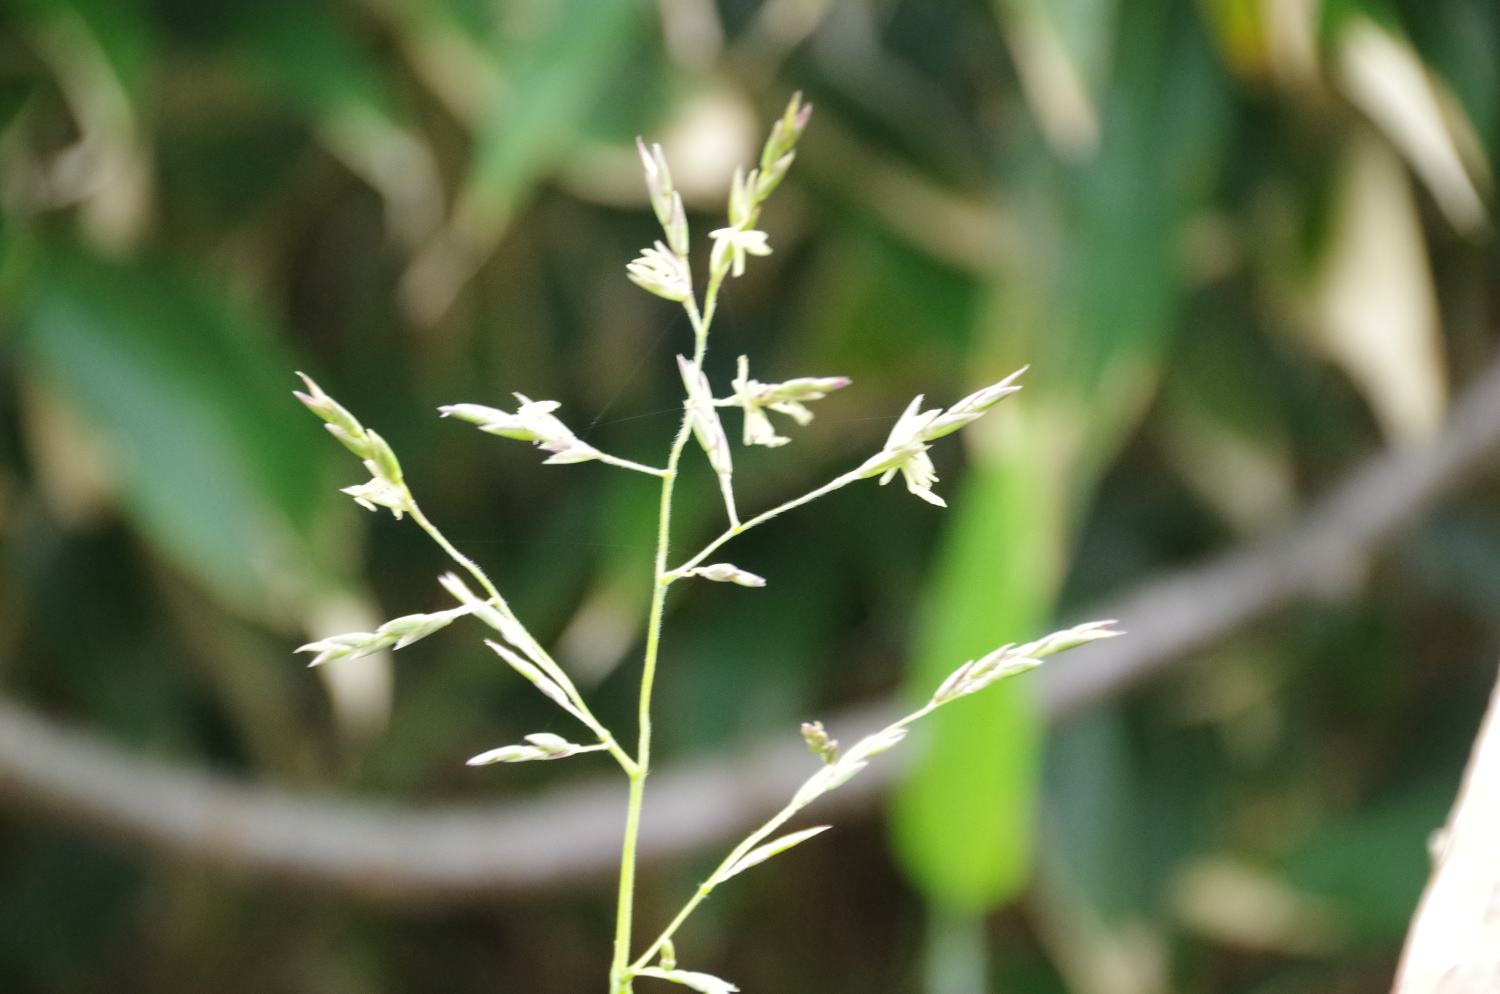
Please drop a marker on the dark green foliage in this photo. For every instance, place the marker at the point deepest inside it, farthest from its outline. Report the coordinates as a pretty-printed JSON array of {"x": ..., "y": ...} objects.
[{"x": 424, "y": 203}]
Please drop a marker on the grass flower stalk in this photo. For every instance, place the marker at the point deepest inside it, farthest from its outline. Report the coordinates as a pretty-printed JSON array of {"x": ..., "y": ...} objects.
[{"x": 664, "y": 269}]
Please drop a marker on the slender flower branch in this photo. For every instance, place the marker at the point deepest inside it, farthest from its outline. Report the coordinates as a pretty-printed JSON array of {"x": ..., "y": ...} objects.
[
  {"x": 734, "y": 531},
  {"x": 469, "y": 566},
  {"x": 970, "y": 678},
  {"x": 905, "y": 451},
  {"x": 534, "y": 421},
  {"x": 621, "y": 974},
  {"x": 813, "y": 787},
  {"x": 664, "y": 270},
  {"x": 605, "y": 457},
  {"x": 515, "y": 631},
  {"x": 671, "y": 278}
]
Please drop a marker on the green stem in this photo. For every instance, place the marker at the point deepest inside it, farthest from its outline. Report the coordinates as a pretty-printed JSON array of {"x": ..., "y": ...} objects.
[
  {"x": 620, "y": 974},
  {"x": 628, "y": 464},
  {"x": 534, "y": 648},
  {"x": 458, "y": 557},
  {"x": 762, "y": 518},
  {"x": 750, "y": 841},
  {"x": 956, "y": 962},
  {"x": 714, "y": 879}
]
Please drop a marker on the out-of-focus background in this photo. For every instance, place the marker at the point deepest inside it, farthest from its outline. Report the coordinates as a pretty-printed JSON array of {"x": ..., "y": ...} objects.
[{"x": 1246, "y": 246}]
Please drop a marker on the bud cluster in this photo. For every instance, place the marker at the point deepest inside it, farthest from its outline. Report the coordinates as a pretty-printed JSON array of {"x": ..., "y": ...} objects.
[
  {"x": 540, "y": 746},
  {"x": 844, "y": 768},
  {"x": 977, "y": 674},
  {"x": 666, "y": 202},
  {"x": 660, "y": 272},
  {"x": 973, "y": 407},
  {"x": 386, "y": 487},
  {"x": 789, "y": 398},
  {"x": 776, "y": 157},
  {"x": 727, "y": 573},
  {"x": 707, "y": 427},
  {"x": 1070, "y": 638},
  {"x": 748, "y": 191},
  {"x": 1009, "y": 660},
  {"x": 336, "y": 418},
  {"x": 663, "y": 269},
  {"x": 533, "y": 421},
  {"x": 973, "y": 676},
  {"x": 398, "y": 633},
  {"x": 905, "y": 449},
  {"x": 820, "y": 742}
]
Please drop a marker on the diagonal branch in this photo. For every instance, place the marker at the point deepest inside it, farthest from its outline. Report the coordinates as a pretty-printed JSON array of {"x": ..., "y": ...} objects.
[{"x": 414, "y": 855}]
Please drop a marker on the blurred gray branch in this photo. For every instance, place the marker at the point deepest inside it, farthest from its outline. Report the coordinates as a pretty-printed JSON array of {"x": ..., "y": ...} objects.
[{"x": 411, "y": 855}]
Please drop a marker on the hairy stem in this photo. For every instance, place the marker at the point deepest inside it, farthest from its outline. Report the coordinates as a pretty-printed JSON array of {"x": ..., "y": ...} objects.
[
  {"x": 628, "y": 464},
  {"x": 621, "y": 974},
  {"x": 726, "y": 488},
  {"x": 468, "y": 564}
]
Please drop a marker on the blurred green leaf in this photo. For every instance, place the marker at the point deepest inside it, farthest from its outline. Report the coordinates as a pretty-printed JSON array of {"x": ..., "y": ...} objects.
[
  {"x": 122, "y": 32},
  {"x": 550, "y": 89},
  {"x": 1457, "y": 40},
  {"x": 63, "y": 911},
  {"x": 311, "y": 57},
  {"x": 547, "y": 94},
  {"x": 317, "y": 65},
  {"x": 963, "y": 820},
  {"x": 188, "y": 396},
  {"x": 1062, "y": 52},
  {"x": 1373, "y": 864}
]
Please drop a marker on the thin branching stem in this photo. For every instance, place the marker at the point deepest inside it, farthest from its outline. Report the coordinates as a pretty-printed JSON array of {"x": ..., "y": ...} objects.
[
  {"x": 621, "y": 973},
  {"x": 760, "y": 519},
  {"x": 905, "y": 451},
  {"x": 533, "y": 647},
  {"x": 628, "y": 464},
  {"x": 471, "y": 567},
  {"x": 743, "y": 848},
  {"x": 706, "y": 888}
]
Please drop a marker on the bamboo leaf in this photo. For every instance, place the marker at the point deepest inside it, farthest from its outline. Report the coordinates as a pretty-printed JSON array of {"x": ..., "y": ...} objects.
[
  {"x": 962, "y": 822},
  {"x": 189, "y": 400}
]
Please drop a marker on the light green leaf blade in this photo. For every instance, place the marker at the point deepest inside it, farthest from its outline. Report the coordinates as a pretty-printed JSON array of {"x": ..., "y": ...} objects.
[
  {"x": 962, "y": 821},
  {"x": 1097, "y": 329}
]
